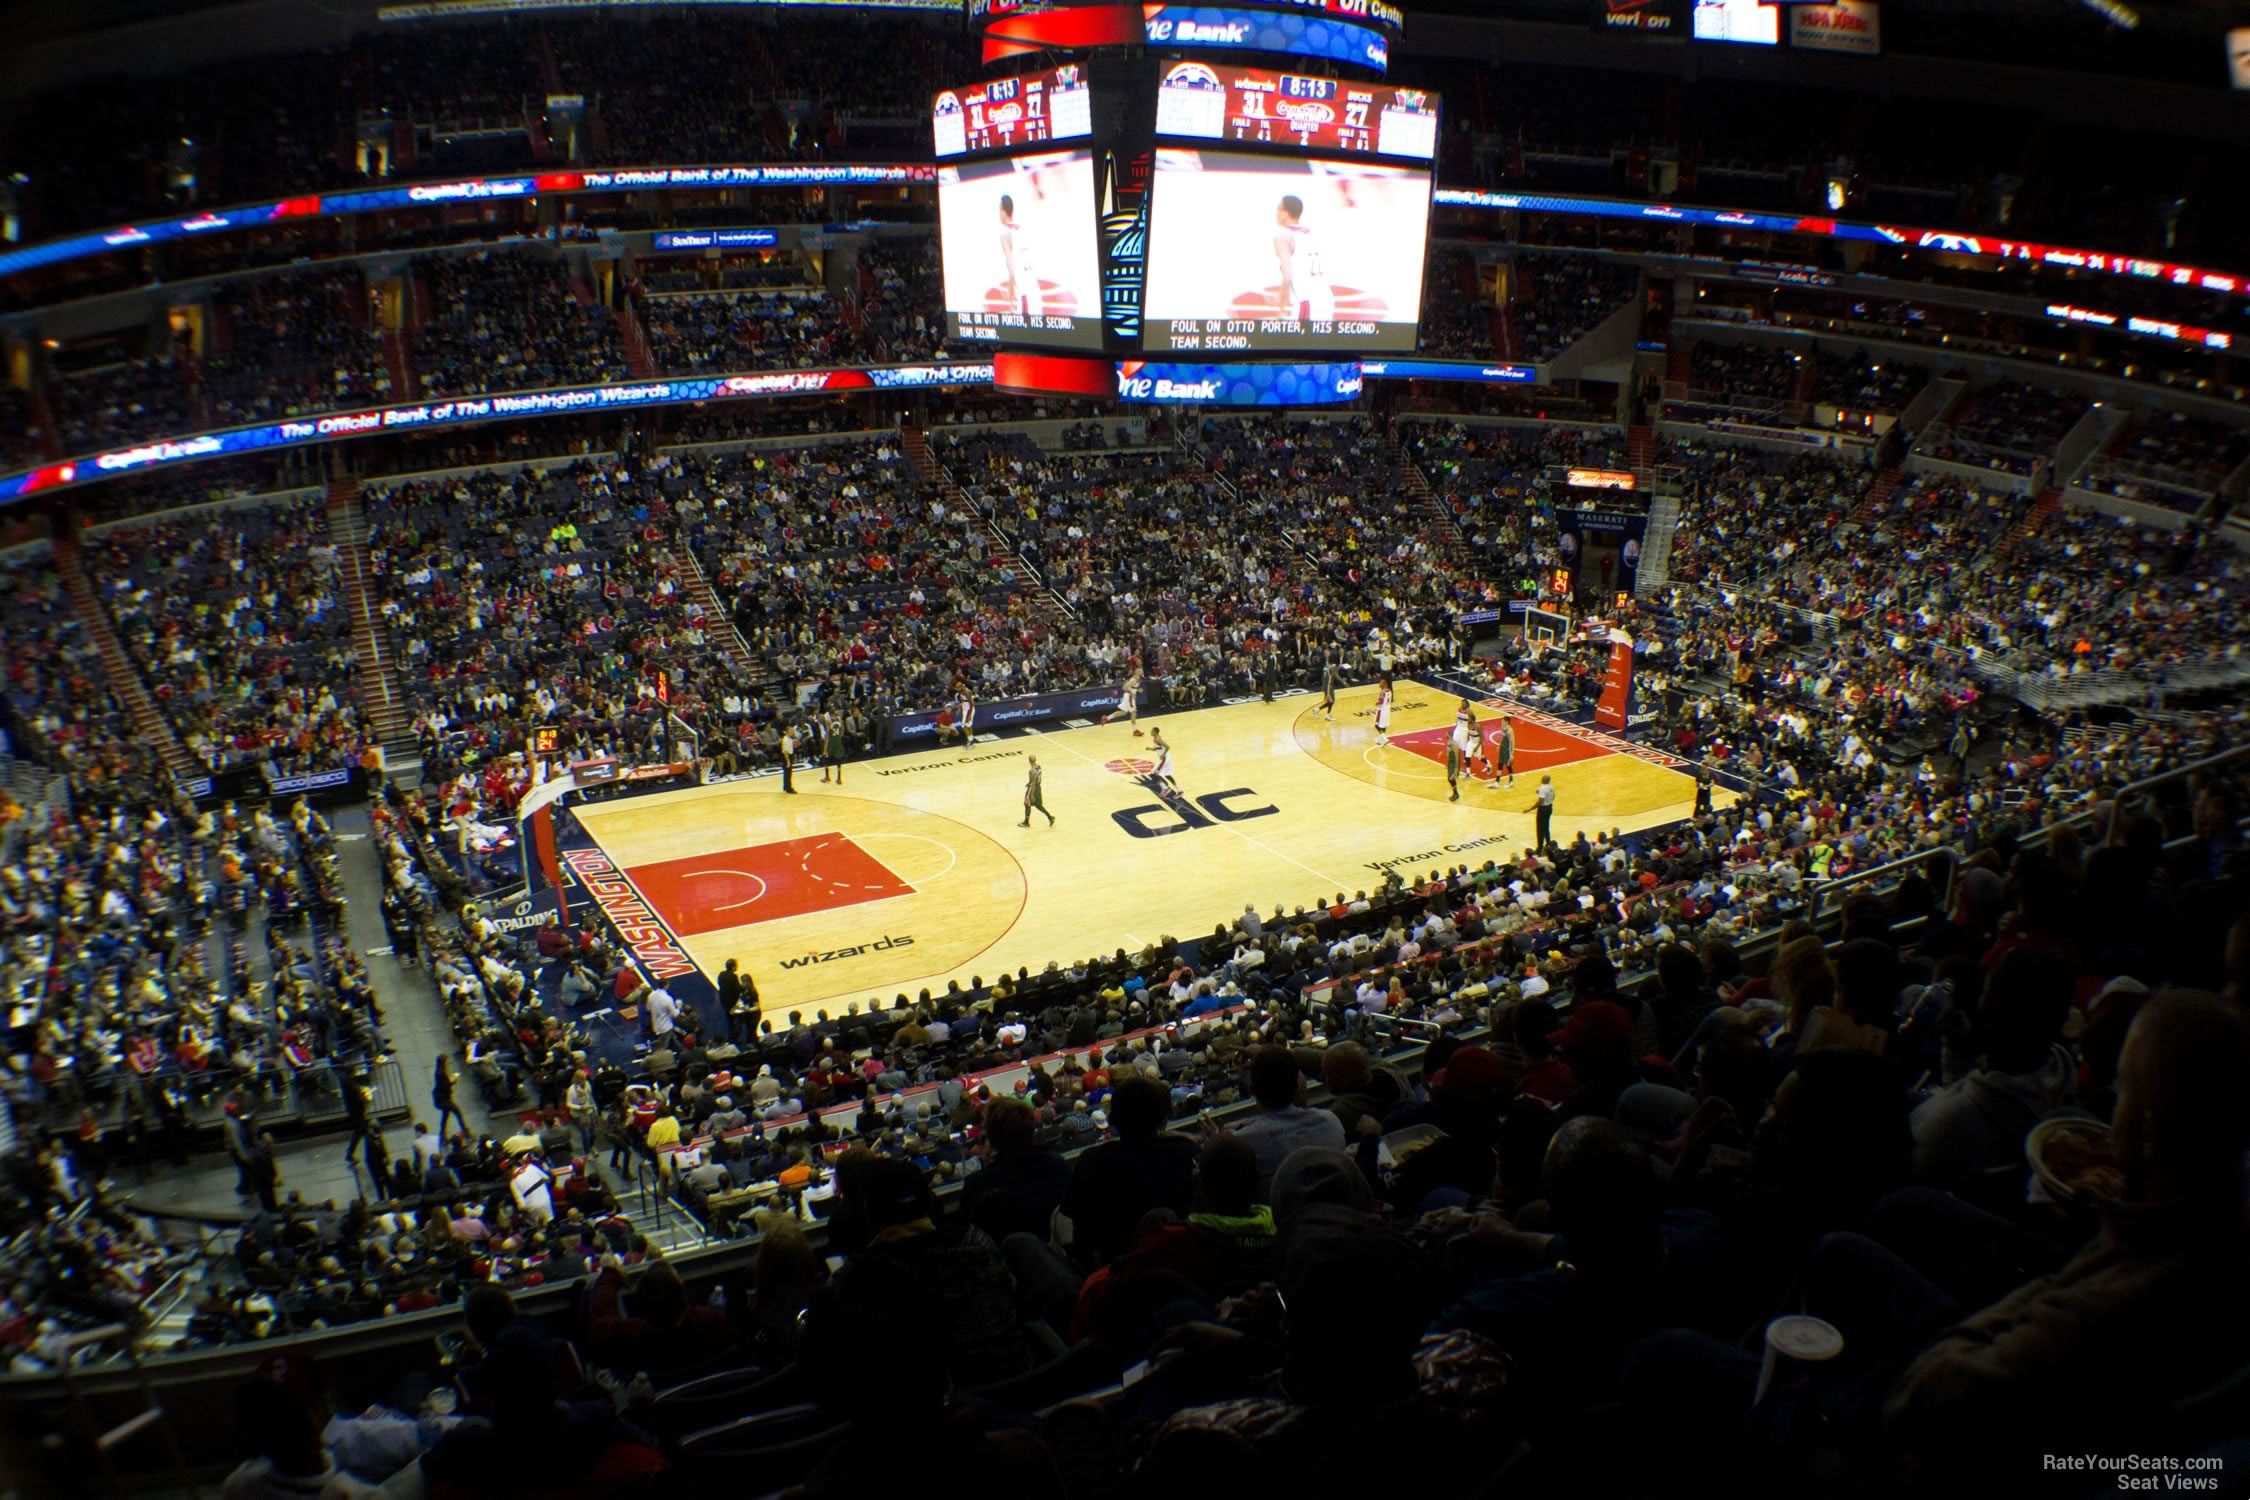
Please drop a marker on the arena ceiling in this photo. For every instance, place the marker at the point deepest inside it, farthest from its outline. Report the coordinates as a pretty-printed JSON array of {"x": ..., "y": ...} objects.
[{"x": 2071, "y": 33}]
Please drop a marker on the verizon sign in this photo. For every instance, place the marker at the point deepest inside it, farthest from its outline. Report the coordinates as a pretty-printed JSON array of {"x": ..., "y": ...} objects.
[{"x": 1854, "y": 26}]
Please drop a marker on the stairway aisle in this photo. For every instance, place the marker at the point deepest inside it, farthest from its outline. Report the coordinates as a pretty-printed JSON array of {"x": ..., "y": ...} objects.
[
  {"x": 719, "y": 624},
  {"x": 639, "y": 358},
  {"x": 382, "y": 694},
  {"x": 1876, "y": 496},
  {"x": 2033, "y": 520},
  {"x": 124, "y": 678},
  {"x": 1640, "y": 449},
  {"x": 404, "y": 385},
  {"x": 1001, "y": 553},
  {"x": 1416, "y": 484}
]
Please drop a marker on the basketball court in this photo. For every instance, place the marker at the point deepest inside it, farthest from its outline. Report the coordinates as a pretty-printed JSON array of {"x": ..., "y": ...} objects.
[{"x": 915, "y": 871}]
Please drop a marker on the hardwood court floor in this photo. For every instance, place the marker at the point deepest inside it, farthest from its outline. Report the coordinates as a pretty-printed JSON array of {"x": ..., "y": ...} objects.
[{"x": 915, "y": 871}]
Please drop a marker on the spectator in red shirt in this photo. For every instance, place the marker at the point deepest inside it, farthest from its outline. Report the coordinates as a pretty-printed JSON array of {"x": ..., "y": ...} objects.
[{"x": 1545, "y": 1077}]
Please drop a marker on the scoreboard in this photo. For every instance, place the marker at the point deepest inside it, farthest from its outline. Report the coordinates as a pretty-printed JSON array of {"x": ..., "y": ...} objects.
[
  {"x": 1251, "y": 106},
  {"x": 1006, "y": 114}
]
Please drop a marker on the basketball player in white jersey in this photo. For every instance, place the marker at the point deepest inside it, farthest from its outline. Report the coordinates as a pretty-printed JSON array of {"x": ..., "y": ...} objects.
[
  {"x": 1383, "y": 714},
  {"x": 1129, "y": 703},
  {"x": 1015, "y": 252},
  {"x": 1163, "y": 770},
  {"x": 1305, "y": 292},
  {"x": 1457, "y": 749}
]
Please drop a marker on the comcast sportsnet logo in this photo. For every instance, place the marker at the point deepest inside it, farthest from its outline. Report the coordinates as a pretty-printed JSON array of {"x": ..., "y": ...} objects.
[{"x": 1130, "y": 767}]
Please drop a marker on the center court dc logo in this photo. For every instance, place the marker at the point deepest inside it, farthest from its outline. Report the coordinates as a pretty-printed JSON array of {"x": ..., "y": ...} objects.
[{"x": 1174, "y": 812}]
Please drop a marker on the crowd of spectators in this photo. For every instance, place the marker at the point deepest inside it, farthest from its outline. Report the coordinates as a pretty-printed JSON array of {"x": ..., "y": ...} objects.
[
  {"x": 1750, "y": 514},
  {"x": 699, "y": 333},
  {"x": 1454, "y": 321},
  {"x": 294, "y": 341},
  {"x": 1559, "y": 299},
  {"x": 236, "y": 619},
  {"x": 838, "y": 564},
  {"x": 771, "y": 317},
  {"x": 76, "y": 1263},
  {"x": 1864, "y": 381},
  {"x": 712, "y": 89},
  {"x": 509, "y": 320},
  {"x": 2010, "y": 426},
  {"x": 1741, "y": 374},
  {"x": 224, "y": 132},
  {"x": 1835, "y": 1129},
  {"x": 842, "y": 569},
  {"x": 65, "y": 713},
  {"x": 901, "y": 291},
  {"x": 553, "y": 590},
  {"x": 2174, "y": 445},
  {"x": 2085, "y": 592},
  {"x": 451, "y": 75},
  {"x": 542, "y": 596},
  {"x": 679, "y": 89},
  {"x": 123, "y": 403},
  {"x": 142, "y": 1004}
]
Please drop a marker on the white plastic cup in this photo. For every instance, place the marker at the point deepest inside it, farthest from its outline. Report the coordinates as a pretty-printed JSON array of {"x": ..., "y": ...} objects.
[{"x": 1799, "y": 1339}]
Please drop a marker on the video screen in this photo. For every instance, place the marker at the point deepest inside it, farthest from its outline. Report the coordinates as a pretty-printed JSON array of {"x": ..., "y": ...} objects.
[
  {"x": 1265, "y": 253},
  {"x": 1738, "y": 21},
  {"x": 1013, "y": 113},
  {"x": 1256, "y": 105},
  {"x": 1017, "y": 240}
]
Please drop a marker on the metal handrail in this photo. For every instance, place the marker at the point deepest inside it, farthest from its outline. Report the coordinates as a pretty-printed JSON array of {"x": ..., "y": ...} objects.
[
  {"x": 2224, "y": 757},
  {"x": 1826, "y": 888}
]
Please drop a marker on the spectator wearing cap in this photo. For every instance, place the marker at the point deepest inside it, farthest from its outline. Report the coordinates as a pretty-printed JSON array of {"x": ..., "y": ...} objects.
[
  {"x": 1282, "y": 1124},
  {"x": 725, "y": 1118}
]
